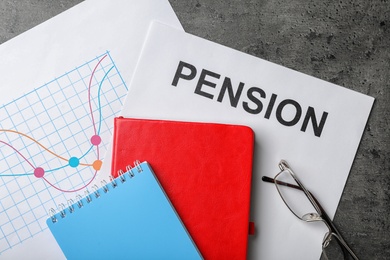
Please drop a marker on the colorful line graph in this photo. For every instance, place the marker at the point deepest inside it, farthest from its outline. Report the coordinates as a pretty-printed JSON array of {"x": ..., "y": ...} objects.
[{"x": 52, "y": 143}]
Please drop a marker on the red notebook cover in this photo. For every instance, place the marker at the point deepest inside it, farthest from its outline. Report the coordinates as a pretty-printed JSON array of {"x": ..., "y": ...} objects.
[{"x": 206, "y": 171}]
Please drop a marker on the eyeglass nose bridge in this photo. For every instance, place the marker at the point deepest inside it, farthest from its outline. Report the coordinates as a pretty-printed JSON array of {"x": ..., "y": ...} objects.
[
  {"x": 315, "y": 217},
  {"x": 327, "y": 239},
  {"x": 312, "y": 217}
]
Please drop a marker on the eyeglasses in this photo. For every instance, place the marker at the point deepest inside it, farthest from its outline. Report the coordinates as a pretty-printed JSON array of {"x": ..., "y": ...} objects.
[{"x": 306, "y": 207}]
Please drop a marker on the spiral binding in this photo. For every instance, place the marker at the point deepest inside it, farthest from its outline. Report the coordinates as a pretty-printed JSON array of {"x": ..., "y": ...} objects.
[{"x": 88, "y": 197}]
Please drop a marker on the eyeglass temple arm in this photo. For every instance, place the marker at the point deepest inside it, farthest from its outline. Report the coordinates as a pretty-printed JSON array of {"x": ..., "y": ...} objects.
[{"x": 322, "y": 213}]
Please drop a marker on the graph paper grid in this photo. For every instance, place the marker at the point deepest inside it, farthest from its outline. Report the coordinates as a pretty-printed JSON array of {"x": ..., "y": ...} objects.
[{"x": 52, "y": 143}]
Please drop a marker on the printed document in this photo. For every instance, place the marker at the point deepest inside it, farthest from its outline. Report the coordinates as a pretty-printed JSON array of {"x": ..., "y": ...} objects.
[{"x": 316, "y": 126}]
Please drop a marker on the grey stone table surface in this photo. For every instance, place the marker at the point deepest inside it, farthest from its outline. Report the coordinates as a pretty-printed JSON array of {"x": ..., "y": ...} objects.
[{"x": 342, "y": 41}]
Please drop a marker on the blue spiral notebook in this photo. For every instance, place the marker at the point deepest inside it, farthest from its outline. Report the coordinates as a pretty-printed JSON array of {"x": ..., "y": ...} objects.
[{"x": 129, "y": 218}]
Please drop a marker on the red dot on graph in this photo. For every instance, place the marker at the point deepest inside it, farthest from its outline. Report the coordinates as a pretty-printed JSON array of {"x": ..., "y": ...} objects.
[
  {"x": 96, "y": 140},
  {"x": 39, "y": 172}
]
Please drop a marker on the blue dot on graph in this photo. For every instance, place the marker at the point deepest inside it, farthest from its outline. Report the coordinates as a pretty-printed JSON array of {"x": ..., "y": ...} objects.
[{"x": 74, "y": 162}]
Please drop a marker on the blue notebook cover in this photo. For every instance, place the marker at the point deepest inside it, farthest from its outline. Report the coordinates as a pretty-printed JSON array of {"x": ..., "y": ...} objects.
[{"x": 128, "y": 218}]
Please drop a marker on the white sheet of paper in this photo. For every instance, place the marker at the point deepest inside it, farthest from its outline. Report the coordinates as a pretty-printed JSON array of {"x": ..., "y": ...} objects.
[
  {"x": 43, "y": 72},
  {"x": 321, "y": 162}
]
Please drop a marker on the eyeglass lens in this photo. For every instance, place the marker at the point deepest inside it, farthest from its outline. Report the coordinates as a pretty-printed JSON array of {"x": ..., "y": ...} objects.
[{"x": 295, "y": 199}]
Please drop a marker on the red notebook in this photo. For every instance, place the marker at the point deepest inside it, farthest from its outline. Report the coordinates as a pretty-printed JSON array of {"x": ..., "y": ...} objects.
[{"x": 206, "y": 171}]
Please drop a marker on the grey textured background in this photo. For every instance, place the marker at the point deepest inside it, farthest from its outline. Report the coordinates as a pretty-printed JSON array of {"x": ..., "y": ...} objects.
[{"x": 345, "y": 42}]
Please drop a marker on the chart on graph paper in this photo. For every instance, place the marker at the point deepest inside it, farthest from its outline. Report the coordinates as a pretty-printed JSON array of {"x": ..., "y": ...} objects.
[{"x": 52, "y": 143}]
